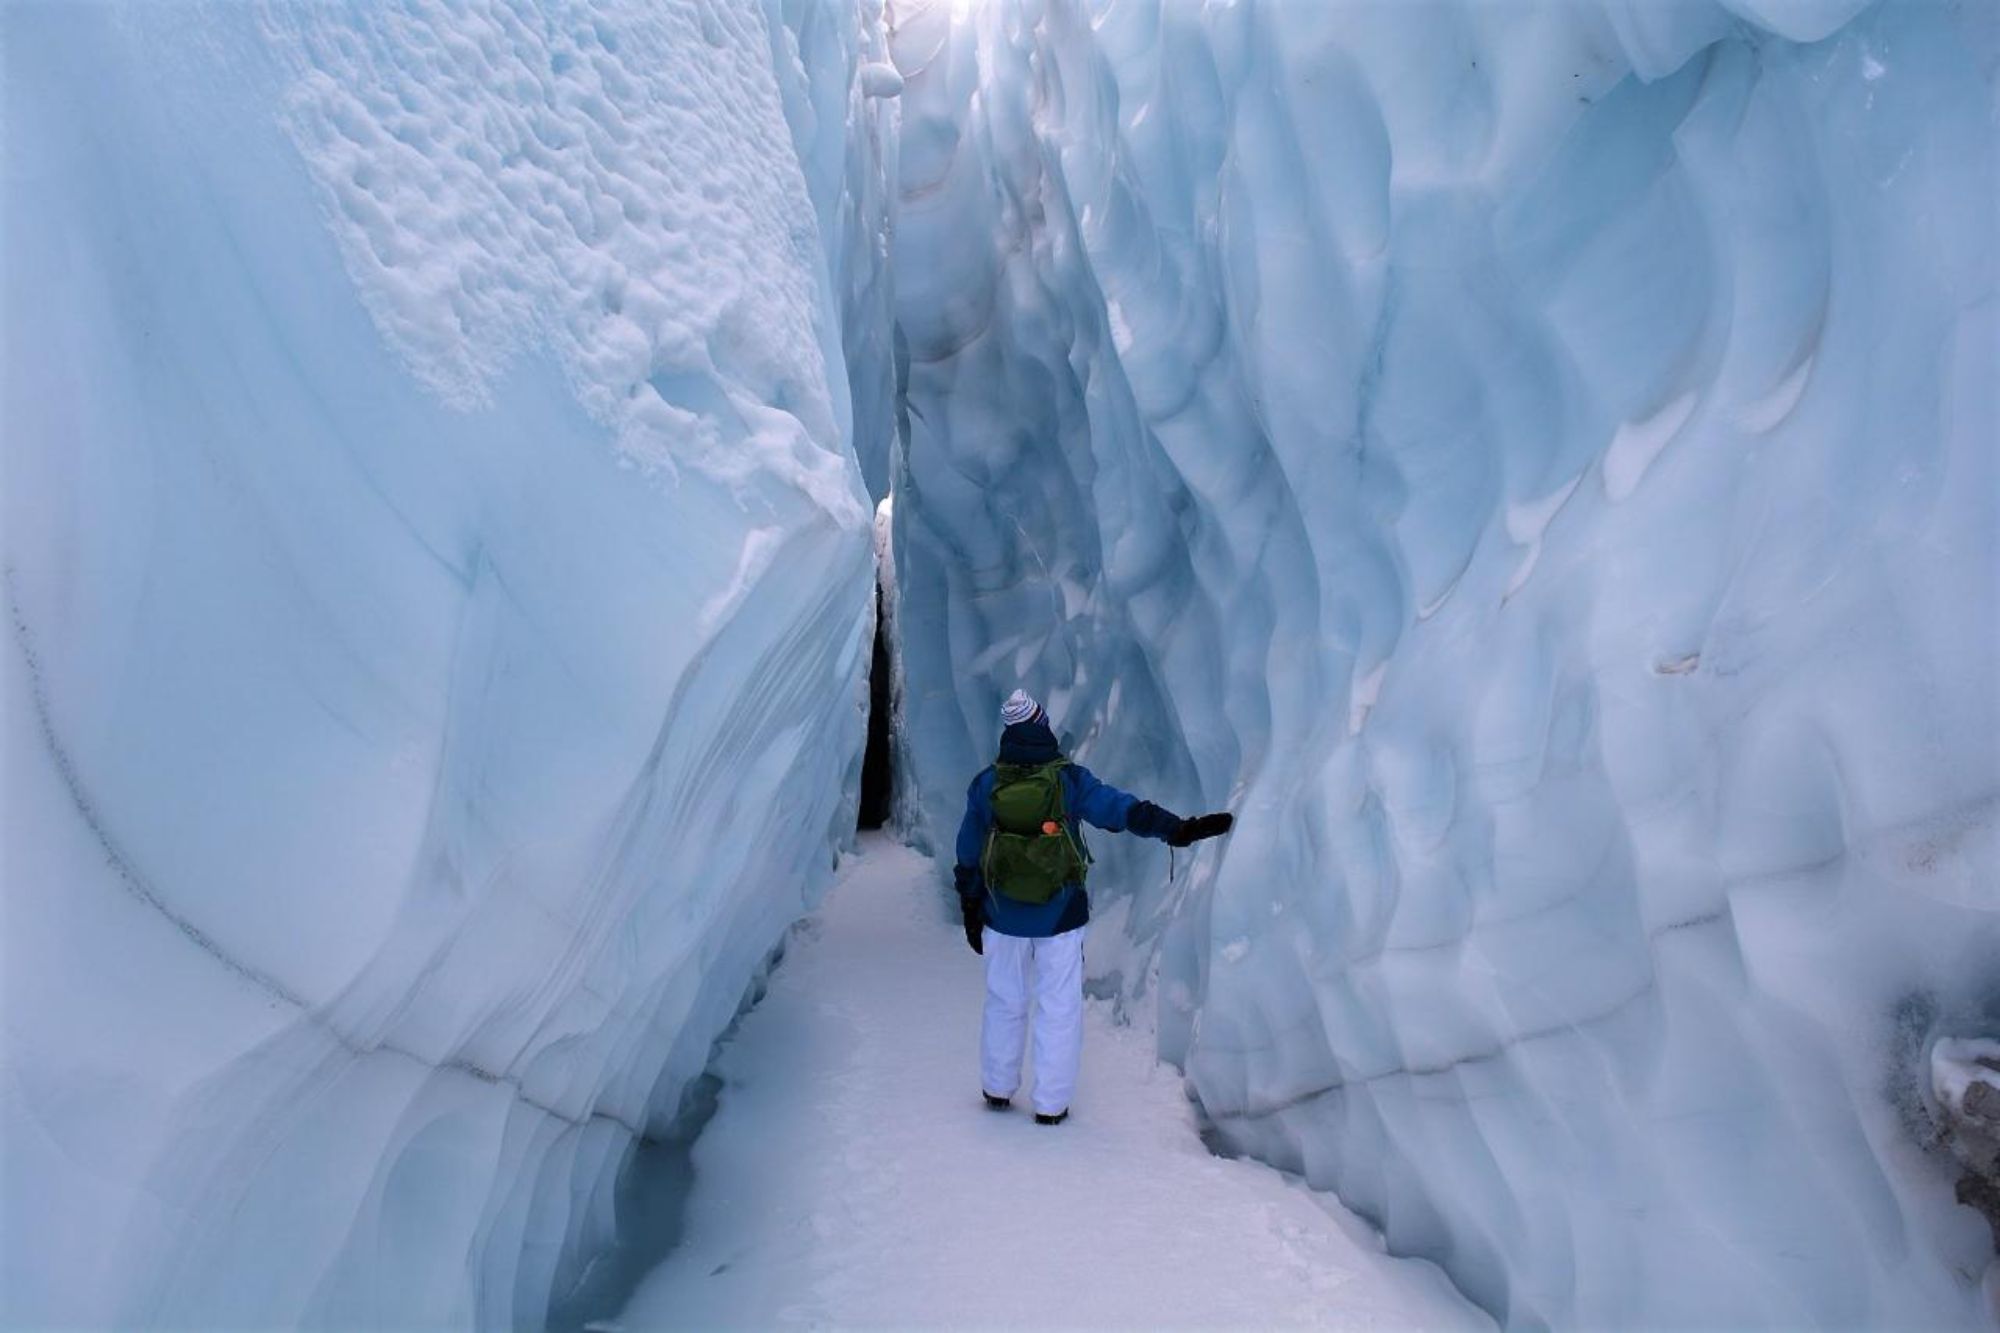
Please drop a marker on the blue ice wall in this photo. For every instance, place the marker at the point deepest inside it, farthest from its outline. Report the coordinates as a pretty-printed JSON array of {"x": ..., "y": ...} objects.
[
  {"x": 1536, "y": 465},
  {"x": 439, "y": 579}
]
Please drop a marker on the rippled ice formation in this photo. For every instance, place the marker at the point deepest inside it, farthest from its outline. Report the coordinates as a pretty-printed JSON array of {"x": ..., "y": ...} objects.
[
  {"x": 1535, "y": 463},
  {"x": 439, "y": 575}
]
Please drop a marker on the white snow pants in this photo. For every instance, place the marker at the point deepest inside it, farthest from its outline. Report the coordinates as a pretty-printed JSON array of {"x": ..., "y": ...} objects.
[{"x": 1051, "y": 970}]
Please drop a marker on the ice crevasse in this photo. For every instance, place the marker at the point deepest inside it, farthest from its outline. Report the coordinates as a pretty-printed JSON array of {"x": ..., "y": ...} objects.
[
  {"x": 1536, "y": 464},
  {"x": 439, "y": 577}
]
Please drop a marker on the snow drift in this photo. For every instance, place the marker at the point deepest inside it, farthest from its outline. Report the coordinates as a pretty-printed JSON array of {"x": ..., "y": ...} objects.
[
  {"x": 1536, "y": 464},
  {"x": 439, "y": 573}
]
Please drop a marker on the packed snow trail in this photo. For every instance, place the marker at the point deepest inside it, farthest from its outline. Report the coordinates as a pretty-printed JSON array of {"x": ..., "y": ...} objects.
[{"x": 851, "y": 1176}]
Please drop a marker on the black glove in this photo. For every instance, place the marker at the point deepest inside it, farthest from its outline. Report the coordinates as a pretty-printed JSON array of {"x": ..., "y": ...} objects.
[
  {"x": 971, "y": 901},
  {"x": 975, "y": 919},
  {"x": 1201, "y": 826},
  {"x": 1150, "y": 821}
]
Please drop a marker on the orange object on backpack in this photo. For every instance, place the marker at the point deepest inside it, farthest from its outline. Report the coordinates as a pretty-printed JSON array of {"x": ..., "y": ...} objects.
[{"x": 1051, "y": 828}]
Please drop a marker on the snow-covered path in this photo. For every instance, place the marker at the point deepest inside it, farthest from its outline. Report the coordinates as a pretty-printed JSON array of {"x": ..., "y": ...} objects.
[{"x": 852, "y": 1178}]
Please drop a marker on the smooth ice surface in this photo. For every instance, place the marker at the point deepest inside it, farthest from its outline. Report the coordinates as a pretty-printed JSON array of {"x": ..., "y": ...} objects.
[
  {"x": 852, "y": 1178},
  {"x": 439, "y": 580},
  {"x": 1535, "y": 463}
]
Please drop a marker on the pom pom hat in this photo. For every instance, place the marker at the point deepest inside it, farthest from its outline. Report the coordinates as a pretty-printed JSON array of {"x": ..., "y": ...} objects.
[{"x": 1019, "y": 708}]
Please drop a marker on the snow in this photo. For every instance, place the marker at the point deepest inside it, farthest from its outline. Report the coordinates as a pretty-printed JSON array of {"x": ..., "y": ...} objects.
[
  {"x": 1637, "y": 443},
  {"x": 851, "y": 1177},
  {"x": 1527, "y": 522},
  {"x": 1768, "y": 412},
  {"x": 490, "y": 178},
  {"x": 753, "y": 561},
  {"x": 1607, "y": 853},
  {"x": 879, "y": 79}
]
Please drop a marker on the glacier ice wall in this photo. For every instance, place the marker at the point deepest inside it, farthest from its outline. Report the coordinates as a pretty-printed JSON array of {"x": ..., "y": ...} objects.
[
  {"x": 1536, "y": 464},
  {"x": 439, "y": 578}
]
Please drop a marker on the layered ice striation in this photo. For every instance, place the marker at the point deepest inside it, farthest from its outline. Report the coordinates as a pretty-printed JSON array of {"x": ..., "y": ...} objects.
[
  {"x": 439, "y": 575},
  {"x": 1536, "y": 464}
]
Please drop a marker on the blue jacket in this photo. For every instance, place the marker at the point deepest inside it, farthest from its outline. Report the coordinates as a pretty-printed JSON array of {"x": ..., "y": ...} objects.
[{"x": 1084, "y": 797}]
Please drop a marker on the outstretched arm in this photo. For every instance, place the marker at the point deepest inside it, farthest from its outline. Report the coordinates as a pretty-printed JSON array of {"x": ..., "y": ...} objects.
[
  {"x": 1099, "y": 803},
  {"x": 1102, "y": 804}
]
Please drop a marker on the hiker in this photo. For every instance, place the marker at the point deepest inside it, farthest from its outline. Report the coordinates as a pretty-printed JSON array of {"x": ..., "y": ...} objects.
[{"x": 1020, "y": 873}]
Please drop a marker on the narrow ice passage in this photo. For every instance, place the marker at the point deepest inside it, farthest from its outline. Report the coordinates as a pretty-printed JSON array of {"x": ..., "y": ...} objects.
[
  {"x": 1534, "y": 464},
  {"x": 851, "y": 1177}
]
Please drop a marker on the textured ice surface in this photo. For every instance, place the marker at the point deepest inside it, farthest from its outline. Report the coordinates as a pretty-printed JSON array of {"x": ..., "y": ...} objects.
[
  {"x": 439, "y": 578},
  {"x": 1536, "y": 463}
]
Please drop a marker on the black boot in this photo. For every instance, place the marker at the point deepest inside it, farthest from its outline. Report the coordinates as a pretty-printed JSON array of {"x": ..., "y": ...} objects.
[
  {"x": 1055, "y": 1119},
  {"x": 995, "y": 1103}
]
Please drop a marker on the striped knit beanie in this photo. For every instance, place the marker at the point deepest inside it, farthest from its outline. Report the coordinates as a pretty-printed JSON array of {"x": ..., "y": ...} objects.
[{"x": 1019, "y": 708}]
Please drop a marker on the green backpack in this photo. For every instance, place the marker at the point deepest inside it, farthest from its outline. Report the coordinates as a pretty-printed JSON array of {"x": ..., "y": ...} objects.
[{"x": 1021, "y": 861}]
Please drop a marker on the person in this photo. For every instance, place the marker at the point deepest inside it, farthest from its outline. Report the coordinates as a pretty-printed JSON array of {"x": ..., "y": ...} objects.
[{"x": 1020, "y": 879}]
